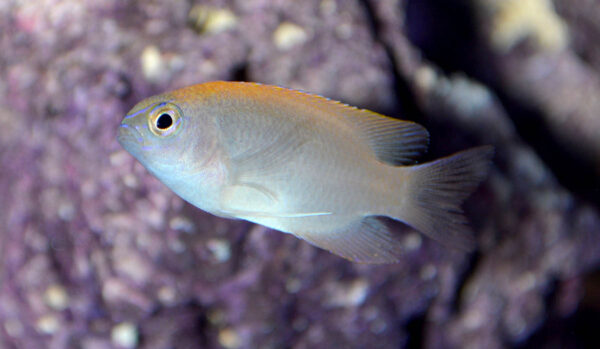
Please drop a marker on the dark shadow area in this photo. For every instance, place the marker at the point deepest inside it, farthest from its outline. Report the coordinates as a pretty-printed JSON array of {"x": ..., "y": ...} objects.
[
  {"x": 404, "y": 93},
  {"x": 571, "y": 170},
  {"x": 415, "y": 327},
  {"x": 579, "y": 330},
  {"x": 240, "y": 72},
  {"x": 463, "y": 277},
  {"x": 184, "y": 326},
  {"x": 446, "y": 33}
]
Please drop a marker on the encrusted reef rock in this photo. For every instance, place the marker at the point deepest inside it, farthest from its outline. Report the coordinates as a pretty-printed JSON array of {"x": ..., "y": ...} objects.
[{"x": 96, "y": 253}]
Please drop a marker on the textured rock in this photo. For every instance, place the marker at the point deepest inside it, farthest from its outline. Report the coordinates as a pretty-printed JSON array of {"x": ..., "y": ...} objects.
[{"x": 96, "y": 253}]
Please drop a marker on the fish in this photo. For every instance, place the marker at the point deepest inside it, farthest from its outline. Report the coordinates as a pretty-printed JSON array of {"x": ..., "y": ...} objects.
[{"x": 306, "y": 165}]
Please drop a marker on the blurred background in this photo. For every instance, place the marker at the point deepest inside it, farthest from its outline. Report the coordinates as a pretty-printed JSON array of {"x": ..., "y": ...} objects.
[{"x": 96, "y": 253}]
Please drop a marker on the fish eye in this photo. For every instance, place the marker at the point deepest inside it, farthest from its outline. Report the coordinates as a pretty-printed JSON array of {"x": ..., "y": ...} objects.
[{"x": 164, "y": 119}]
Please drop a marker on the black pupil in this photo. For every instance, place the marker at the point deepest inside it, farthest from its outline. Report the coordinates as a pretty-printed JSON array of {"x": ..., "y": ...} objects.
[{"x": 164, "y": 121}]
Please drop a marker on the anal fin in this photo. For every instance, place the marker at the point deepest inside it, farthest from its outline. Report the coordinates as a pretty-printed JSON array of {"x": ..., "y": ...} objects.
[{"x": 365, "y": 241}]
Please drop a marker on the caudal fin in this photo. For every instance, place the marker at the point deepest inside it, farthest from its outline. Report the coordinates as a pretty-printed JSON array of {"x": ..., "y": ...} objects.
[{"x": 434, "y": 193}]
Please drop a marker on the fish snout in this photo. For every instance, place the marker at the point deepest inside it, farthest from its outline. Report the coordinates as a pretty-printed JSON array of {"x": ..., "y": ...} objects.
[{"x": 129, "y": 135}]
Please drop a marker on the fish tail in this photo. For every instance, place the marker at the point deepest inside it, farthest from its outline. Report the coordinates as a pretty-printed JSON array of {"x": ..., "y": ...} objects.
[{"x": 432, "y": 195}]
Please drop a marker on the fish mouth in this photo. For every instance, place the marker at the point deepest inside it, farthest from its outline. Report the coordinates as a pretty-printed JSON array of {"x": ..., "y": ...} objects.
[{"x": 129, "y": 135}]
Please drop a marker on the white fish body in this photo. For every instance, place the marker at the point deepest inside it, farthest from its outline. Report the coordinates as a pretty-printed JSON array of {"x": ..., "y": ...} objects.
[{"x": 304, "y": 165}]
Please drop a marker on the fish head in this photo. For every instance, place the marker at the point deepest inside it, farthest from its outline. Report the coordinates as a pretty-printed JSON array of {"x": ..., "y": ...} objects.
[{"x": 168, "y": 136}]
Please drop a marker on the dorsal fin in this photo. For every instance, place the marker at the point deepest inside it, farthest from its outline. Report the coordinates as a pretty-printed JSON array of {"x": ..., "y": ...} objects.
[{"x": 393, "y": 141}]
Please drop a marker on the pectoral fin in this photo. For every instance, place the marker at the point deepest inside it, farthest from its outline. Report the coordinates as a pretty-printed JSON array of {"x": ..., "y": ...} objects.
[
  {"x": 367, "y": 240},
  {"x": 247, "y": 200}
]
